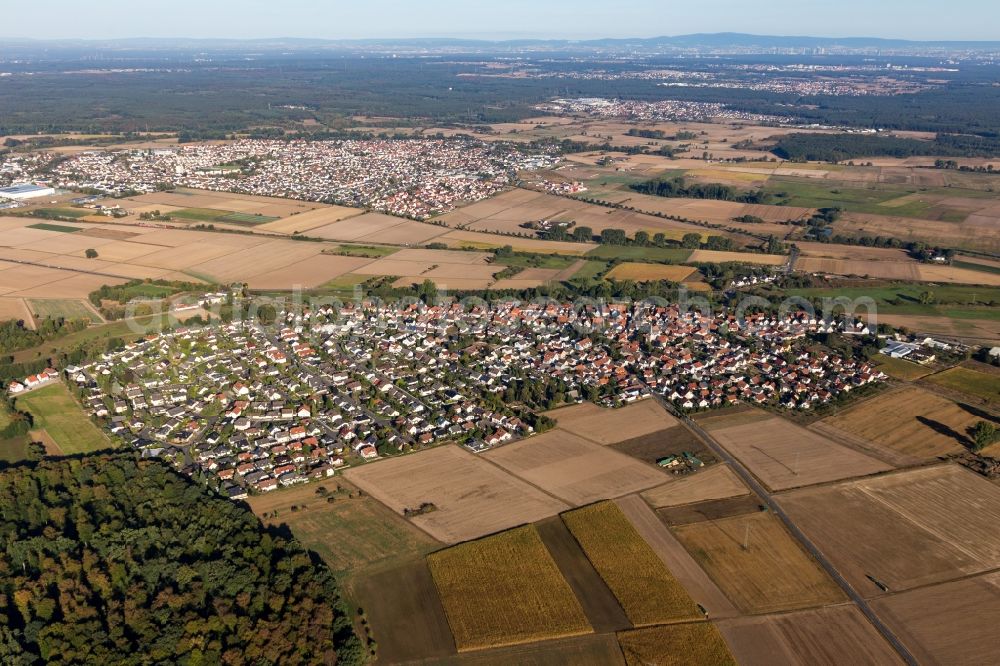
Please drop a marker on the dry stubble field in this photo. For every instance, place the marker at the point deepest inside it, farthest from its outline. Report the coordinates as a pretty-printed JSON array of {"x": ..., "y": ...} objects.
[
  {"x": 816, "y": 637},
  {"x": 758, "y": 564},
  {"x": 610, "y": 426},
  {"x": 694, "y": 644},
  {"x": 473, "y": 497},
  {"x": 505, "y": 589},
  {"x": 944, "y": 624},
  {"x": 717, "y": 482},
  {"x": 574, "y": 469},
  {"x": 913, "y": 423},
  {"x": 783, "y": 455},
  {"x": 906, "y": 529}
]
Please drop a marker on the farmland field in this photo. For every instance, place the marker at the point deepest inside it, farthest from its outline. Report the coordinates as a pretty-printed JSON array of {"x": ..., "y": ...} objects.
[
  {"x": 717, "y": 257},
  {"x": 602, "y": 609},
  {"x": 900, "y": 368},
  {"x": 66, "y": 308},
  {"x": 655, "y": 446},
  {"x": 609, "y": 426},
  {"x": 934, "y": 622},
  {"x": 695, "y": 644},
  {"x": 901, "y": 529},
  {"x": 626, "y": 252},
  {"x": 832, "y": 635},
  {"x": 718, "y": 482},
  {"x": 586, "y": 650},
  {"x": 678, "y": 561},
  {"x": 349, "y": 533},
  {"x": 405, "y": 612},
  {"x": 61, "y": 228},
  {"x": 647, "y": 591},
  {"x": 473, "y": 497},
  {"x": 971, "y": 382},
  {"x": 57, "y": 413},
  {"x": 783, "y": 455},
  {"x": 505, "y": 589},
  {"x": 574, "y": 469},
  {"x": 650, "y": 272},
  {"x": 913, "y": 424},
  {"x": 758, "y": 564}
]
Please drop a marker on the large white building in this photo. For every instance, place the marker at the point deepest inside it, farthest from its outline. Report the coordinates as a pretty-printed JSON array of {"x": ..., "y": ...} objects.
[{"x": 26, "y": 191}]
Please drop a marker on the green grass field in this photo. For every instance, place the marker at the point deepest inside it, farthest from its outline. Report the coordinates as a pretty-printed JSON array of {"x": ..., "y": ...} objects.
[
  {"x": 343, "y": 286},
  {"x": 45, "y": 226},
  {"x": 590, "y": 271},
  {"x": 11, "y": 450},
  {"x": 900, "y": 368},
  {"x": 634, "y": 253},
  {"x": 212, "y": 215},
  {"x": 858, "y": 198},
  {"x": 56, "y": 412},
  {"x": 951, "y": 301},
  {"x": 979, "y": 384},
  {"x": 67, "y": 308}
]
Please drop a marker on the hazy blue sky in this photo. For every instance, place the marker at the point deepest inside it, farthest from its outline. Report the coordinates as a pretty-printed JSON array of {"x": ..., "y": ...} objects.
[{"x": 912, "y": 19}]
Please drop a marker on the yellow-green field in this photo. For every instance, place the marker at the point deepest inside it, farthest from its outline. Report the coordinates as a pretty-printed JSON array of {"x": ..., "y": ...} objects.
[
  {"x": 646, "y": 590},
  {"x": 504, "y": 590},
  {"x": 695, "y": 644},
  {"x": 57, "y": 413},
  {"x": 971, "y": 382}
]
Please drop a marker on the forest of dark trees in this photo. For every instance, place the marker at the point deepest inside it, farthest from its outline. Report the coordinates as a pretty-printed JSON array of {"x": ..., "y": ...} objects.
[
  {"x": 180, "y": 91},
  {"x": 109, "y": 559},
  {"x": 840, "y": 147},
  {"x": 15, "y": 336},
  {"x": 677, "y": 187}
]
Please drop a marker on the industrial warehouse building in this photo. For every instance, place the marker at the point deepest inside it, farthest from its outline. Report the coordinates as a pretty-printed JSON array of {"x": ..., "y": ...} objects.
[{"x": 25, "y": 191}]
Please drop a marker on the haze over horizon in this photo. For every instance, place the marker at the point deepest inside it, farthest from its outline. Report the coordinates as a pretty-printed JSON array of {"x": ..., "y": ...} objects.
[{"x": 920, "y": 20}]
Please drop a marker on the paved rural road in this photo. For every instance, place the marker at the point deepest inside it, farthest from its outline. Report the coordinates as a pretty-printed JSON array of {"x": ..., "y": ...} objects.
[{"x": 763, "y": 493}]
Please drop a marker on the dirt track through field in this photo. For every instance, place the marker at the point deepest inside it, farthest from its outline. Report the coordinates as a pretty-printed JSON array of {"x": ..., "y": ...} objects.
[
  {"x": 676, "y": 558},
  {"x": 603, "y": 611}
]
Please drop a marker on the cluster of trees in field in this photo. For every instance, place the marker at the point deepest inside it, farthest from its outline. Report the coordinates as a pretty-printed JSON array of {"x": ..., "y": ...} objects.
[
  {"x": 677, "y": 188},
  {"x": 840, "y": 147},
  {"x": 15, "y": 335},
  {"x": 112, "y": 559}
]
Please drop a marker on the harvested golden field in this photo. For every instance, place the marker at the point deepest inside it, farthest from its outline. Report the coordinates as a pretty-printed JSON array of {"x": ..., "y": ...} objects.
[
  {"x": 716, "y": 482},
  {"x": 313, "y": 272},
  {"x": 976, "y": 232},
  {"x": 650, "y": 272},
  {"x": 758, "y": 564},
  {"x": 610, "y": 426},
  {"x": 977, "y": 331},
  {"x": 483, "y": 241},
  {"x": 852, "y": 252},
  {"x": 378, "y": 228},
  {"x": 943, "y": 624},
  {"x": 473, "y": 497},
  {"x": 252, "y": 204},
  {"x": 783, "y": 455},
  {"x": 505, "y": 589},
  {"x": 912, "y": 424},
  {"x": 647, "y": 591},
  {"x": 817, "y": 637},
  {"x": 906, "y": 530},
  {"x": 695, "y": 644},
  {"x": 305, "y": 222},
  {"x": 508, "y": 212},
  {"x": 573, "y": 469},
  {"x": 895, "y": 270},
  {"x": 14, "y": 308},
  {"x": 717, "y": 257}
]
